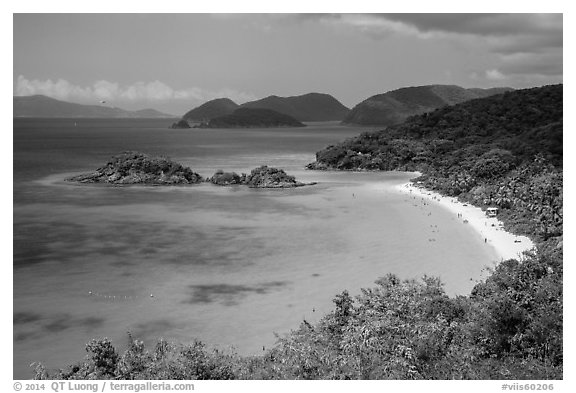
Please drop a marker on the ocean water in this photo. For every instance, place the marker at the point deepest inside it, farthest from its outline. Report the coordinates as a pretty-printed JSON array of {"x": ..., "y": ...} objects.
[{"x": 229, "y": 266}]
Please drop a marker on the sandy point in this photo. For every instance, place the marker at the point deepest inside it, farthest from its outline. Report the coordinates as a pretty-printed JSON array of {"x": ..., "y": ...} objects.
[{"x": 507, "y": 245}]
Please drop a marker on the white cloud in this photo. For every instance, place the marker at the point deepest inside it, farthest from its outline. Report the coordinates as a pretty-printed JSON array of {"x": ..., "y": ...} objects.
[
  {"x": 373, "y": 25},
  {"x": 106, "y": 90},
  {"x": 155, "y": 91},
  {"x": 494, "y": 75},
  {"x": 151, "y": 91},
  {"x": 60, "y": 89}
]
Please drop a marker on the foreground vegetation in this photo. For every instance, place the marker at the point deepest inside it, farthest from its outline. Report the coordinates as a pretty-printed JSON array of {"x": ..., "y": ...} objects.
[{"x": 501, "y": 151}]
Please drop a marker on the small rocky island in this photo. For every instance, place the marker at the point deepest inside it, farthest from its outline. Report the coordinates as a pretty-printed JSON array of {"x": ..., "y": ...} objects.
[
  {"x": 252, "y": 118},
  {"x": 261, "y": 177},
  {"x": 138, "y": 168}
]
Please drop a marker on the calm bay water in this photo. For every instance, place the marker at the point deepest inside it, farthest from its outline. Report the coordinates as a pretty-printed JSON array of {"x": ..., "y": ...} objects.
[{"x": 229, "y": 266}]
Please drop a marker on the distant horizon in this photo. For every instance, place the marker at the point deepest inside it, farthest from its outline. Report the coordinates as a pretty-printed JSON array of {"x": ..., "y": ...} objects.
[{"x": 175, "y": 62}]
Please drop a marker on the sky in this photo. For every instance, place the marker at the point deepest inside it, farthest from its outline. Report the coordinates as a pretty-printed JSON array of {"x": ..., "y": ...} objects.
[{"x": 175, "y": 62}]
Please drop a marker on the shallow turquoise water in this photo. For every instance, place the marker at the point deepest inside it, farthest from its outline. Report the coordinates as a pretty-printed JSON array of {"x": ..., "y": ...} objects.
[{"x": 229, "y": 266}]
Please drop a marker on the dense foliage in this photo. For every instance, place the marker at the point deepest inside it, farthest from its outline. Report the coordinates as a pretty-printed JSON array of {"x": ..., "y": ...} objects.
[{"x": 502, "y": 151}]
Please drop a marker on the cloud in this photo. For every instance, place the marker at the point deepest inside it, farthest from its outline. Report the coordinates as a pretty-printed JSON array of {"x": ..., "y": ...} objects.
[
  {"x": 426, "y": 25},
  {"x": 375, "y": 25},
  {"x": 495, "y": 75},
  {"x": 517, "y": 46},
  {"x": 494, "y": 25},
  {"x": 104, "y": 89},
  {"x": 514, "y": 44},
  {"x": 545, "y": 64},
  {"x": 60, "y": 89},
  {"x": 155, "y": 91},
  {"x": 503, "y": 33}
]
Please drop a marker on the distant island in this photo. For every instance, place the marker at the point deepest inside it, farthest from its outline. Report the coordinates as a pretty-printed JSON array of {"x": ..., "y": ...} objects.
[
  {"x": 42, "y": 106},
  {"x": 396, "y": 106},
  {"x": 306, "y": 107},
  {"x": 252, "y": 118},
  {"x": 261, "y": 177},
  {"x": 138, "y": 168},
  {"x": 211, "y": 109}
]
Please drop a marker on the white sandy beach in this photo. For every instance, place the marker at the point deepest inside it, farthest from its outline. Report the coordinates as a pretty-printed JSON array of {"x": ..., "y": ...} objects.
[{"x": 506, "y": 244}]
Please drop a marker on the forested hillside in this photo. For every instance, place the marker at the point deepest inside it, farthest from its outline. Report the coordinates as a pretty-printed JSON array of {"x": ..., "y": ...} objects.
[
  {"x": 395, "y": 106},
  {"x": 504, "y": 150}
]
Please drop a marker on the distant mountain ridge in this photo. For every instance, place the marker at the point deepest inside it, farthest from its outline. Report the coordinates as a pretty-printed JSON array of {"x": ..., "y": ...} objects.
[
  {"x": 396, "y": 106},
  {"x": 306, "y": 107},
  {"x": 43, "y": 106}
]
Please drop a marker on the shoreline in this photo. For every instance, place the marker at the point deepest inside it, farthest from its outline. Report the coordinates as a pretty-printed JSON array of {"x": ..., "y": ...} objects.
[{"x": 507, "y": 245}]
